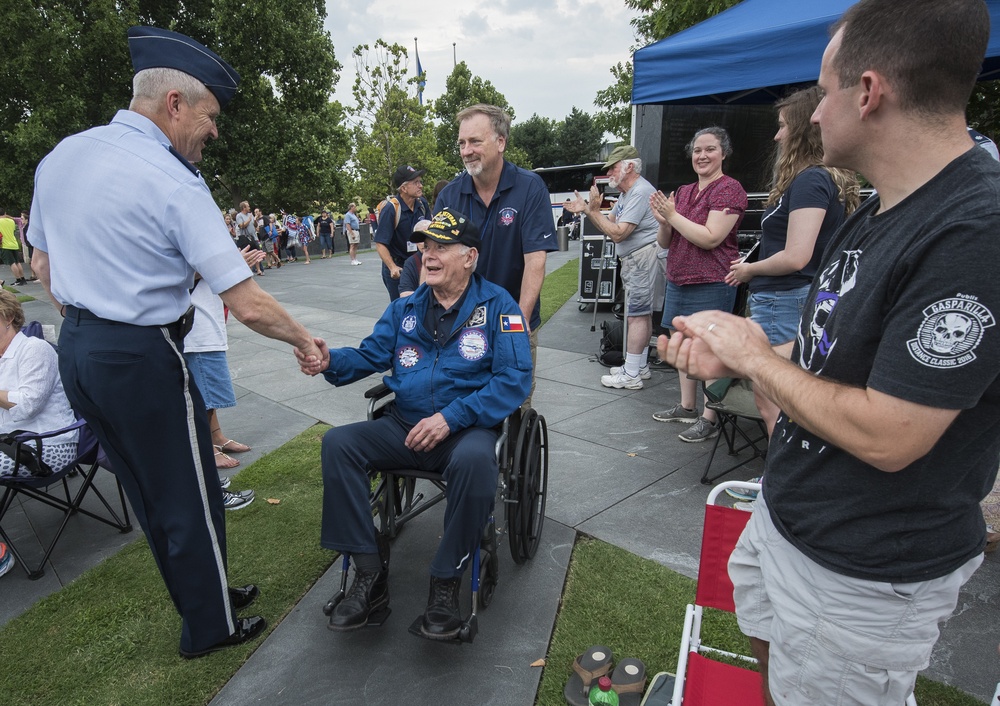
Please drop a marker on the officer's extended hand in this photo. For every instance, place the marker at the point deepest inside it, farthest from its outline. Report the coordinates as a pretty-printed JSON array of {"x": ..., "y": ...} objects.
[
  {"x": 428, "y": 433},
  {"x": 315, "y": 358},
  {"x": 252, "y": 256}
]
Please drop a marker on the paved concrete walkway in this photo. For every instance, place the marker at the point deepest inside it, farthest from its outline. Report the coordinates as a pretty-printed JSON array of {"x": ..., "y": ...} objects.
[{"x": 615, "y": 474}]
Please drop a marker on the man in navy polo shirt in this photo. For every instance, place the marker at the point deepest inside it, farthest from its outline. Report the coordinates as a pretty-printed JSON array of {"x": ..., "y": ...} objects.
[
  {"x": 392, "y": 237},
  {"x": 510, "y": 204}
]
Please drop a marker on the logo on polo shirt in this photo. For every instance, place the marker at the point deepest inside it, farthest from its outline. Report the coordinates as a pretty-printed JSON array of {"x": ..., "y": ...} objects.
[
  {"x": 409, "y": 323},
  {"x": 507, "y": 215}
]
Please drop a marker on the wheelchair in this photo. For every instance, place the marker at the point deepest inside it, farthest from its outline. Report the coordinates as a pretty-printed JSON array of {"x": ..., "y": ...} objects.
[{"x": 519, "y": 507}]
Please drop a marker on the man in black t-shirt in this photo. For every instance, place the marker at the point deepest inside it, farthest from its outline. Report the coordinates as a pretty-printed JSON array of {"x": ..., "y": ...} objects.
[{"x": 890, "y": 430}]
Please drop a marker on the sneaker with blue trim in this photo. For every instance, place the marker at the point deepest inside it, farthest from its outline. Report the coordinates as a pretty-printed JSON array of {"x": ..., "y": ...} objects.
[
  {"x": 6, "y": 559},
  {"x": 743, "y": 493}
]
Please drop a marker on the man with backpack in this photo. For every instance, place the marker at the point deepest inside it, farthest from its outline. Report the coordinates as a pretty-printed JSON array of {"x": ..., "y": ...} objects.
[{"x": 396, "y": 217}]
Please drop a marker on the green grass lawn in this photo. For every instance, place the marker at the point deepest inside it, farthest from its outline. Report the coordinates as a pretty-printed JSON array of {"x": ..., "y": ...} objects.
[{"x": 111, "y": 636}]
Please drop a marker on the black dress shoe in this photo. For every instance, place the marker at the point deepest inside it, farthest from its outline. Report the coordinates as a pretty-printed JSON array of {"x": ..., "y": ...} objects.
[
  {"x": 442, "y": 619},
  {"x": 246, "y": 629},
  {"x": 243, "y": 596},
  {"x": 368, "y": 594}
]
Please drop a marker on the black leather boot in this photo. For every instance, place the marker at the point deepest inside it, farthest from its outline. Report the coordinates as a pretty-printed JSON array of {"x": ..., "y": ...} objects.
[
  {"x": 369, "y": 594},
  {"x": 442, "y": 619}
]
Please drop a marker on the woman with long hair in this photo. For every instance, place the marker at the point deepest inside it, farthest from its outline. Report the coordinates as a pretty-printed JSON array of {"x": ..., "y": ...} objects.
[{"x": 807, "y": 204}]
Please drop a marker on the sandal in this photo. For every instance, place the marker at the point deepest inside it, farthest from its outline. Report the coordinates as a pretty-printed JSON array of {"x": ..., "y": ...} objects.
[
  {"x": 233, "y": 447},
  {"x": 587, "y": 669},
  {"x": 224, "y": 461},
  {"x": 629, "y": 681}
]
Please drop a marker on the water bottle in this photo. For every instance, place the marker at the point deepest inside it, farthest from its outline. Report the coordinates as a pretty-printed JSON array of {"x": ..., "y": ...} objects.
[{"x": 602, "y": 695}]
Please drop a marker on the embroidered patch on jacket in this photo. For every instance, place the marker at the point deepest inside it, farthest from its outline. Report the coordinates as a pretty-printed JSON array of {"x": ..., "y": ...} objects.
[
  {"x": 507, "y": 215},
  {"x": 472, "y": 344},
  {"x": 950, "y": 333},
  {"x": 409, "y": 323},
  {"x": 408, "y": 356},
  {"x": 511, "y": 323},
  {"x": 478, "y": 317}
]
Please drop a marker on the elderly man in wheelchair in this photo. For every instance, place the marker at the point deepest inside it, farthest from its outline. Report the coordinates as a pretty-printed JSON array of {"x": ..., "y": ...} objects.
[{"x": 461, "y": 362}]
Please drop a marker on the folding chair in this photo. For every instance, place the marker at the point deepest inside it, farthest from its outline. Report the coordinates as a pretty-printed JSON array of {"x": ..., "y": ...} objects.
[
  {"x": 732, "y": 400},
  {"x": 68, "y": 501},
  {"x": 702, "y": 681}
]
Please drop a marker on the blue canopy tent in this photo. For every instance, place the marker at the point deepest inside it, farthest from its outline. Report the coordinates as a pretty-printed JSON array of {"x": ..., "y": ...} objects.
[
  {"x": 751, "y": 53},
  {"x": 728, "y": 71}
]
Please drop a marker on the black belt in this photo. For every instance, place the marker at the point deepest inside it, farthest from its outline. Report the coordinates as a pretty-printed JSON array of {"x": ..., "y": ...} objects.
[{"x": 179, "y": 328}]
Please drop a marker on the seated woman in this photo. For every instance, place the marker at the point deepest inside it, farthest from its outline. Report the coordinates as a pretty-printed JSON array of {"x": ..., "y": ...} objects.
[{"x": 31, "y": 392}]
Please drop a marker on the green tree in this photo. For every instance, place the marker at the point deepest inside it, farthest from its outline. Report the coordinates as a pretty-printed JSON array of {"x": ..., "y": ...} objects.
[
  {"x": 65, "y": 67},
  {"x": 659, "y": 19},
  {"x": 390, "y": 125},
  {"x": 282, "y": 142},
  {"x": 580, "y": 137},
  {"x": 538, "y": 138},
  {"x": 462, "y": 89}
]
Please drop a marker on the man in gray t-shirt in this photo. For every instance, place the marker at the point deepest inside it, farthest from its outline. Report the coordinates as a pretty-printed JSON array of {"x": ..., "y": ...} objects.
[{"x": 632, "y": 228}]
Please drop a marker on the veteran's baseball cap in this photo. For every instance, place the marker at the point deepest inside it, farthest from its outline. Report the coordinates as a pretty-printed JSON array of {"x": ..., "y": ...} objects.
[
  {"x": 449, "y": 227},
  {"x": 406, "y": 173}
]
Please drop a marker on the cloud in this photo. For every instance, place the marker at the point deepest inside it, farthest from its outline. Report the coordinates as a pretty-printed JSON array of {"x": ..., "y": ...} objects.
[{"x": 545, "y": 56}]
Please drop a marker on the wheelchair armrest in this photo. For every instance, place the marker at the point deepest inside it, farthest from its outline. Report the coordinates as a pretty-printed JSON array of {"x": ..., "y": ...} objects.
[{"x": 377, "y": 392}]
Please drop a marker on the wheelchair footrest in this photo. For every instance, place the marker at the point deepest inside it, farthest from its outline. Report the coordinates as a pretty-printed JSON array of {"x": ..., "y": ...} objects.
[{"x": 467, "y": 633}]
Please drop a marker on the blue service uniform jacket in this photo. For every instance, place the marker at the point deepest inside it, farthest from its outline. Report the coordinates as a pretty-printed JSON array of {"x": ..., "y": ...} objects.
[{"x": 478, "y": 377}]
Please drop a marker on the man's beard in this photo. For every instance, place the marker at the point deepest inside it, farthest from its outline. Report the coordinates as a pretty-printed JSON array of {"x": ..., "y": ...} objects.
[
  {"x": 612, "y": 183},
  {"x": 474, "y": 169}
]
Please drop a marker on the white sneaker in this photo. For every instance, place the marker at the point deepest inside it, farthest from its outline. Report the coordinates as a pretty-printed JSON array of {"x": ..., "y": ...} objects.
[
  {"x": 622, "y": 379},
  {"x": 355, "y": 262},
  {"x": 644, "y": 371}
]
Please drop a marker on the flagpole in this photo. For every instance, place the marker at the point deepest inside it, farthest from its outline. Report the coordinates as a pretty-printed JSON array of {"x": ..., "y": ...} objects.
[{"x": 454, "y": 57}]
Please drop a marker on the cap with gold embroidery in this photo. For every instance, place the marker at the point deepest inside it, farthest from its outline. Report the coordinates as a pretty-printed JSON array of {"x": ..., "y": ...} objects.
[
  {"x": 152, "y": 48},
  {"x": 448, "y": 227}
]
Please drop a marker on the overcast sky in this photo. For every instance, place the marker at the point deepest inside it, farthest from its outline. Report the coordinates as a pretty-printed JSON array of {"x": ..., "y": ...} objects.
[{"x": 545, "y": 56}]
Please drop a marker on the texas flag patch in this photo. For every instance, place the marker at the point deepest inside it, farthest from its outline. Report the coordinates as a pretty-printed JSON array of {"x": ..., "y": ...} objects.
[{"x": 511, "y": 323}]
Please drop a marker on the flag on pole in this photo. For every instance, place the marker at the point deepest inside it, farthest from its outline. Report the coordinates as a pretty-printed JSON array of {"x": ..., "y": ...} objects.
[{"x": 422, "y": 82}]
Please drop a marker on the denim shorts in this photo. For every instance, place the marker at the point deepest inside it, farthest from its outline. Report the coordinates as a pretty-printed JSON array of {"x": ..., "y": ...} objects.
[
  {"x": 325, "y": 242},
  {"x": 779, "y": 312},
  {"x": 687, "y": 299},
  {"x": 210, "y": 372}
]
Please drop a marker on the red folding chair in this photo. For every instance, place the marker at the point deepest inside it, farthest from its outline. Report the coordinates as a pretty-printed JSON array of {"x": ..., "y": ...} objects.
[{"x": 702, "y": 681}]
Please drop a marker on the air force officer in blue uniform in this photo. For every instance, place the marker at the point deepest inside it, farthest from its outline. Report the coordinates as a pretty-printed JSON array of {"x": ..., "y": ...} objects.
[
  {"x": 461, "y": 362},
  {"x": 123, "y": 284}
]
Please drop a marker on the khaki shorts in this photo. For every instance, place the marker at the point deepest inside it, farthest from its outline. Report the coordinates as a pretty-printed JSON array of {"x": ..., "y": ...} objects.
[
  {"x": 353, "y": 237},
  {"x": 835, "y": 639},
  {"x": 643, "y": 280}
]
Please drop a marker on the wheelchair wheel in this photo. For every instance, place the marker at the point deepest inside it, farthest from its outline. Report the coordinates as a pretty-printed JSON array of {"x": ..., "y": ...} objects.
[{"x": 529, "y": 484}]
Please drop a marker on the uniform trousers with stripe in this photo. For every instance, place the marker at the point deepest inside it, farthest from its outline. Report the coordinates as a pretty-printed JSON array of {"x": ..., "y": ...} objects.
[
  {"x": 132, "y": 386},
  {"x": 466, "y": 461}
]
